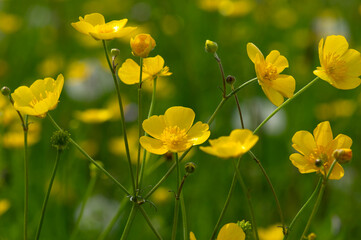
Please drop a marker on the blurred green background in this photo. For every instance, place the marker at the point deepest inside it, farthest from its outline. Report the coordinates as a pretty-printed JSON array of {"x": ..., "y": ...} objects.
[{"x": 37, "y": 41}]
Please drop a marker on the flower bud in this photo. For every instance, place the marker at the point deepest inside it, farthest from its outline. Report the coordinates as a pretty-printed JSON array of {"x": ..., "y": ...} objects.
[
  {"x": 142, "y": 44},
  {"x": 190, "y": 167},
  {"x": 115, "y": 52},
  {"x": 5, "y": 91},
  {"x": 246, "y": 227},
  {"x": 230, "y": 79},
  {"x": 211, "y": 47},
  {"x": 318, "y": 162},
  {"x": 342, "y": 155},
  {"x": 60, "y": 139},
  {"x": 311, "y": 236}
]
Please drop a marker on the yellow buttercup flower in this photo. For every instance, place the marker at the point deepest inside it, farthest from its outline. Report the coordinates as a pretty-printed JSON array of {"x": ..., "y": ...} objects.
[
  {"x": 273, "y": 232},
  {"x": 94, "y": 25},
  {"x": 235, "y": 145},
  {"x": 230, "y": 231},
  {"x": 173, "y": 131},
  {"x": 94, "y": 115},
  {"x": 340, "y": 66},
  {"x": 142, "y": 44},
  {"x": 152, "y": 67},
  {"x": 276, "y": 86},
  {"x": 316, "y": 152},
  {"x": 41, "y": 97}
]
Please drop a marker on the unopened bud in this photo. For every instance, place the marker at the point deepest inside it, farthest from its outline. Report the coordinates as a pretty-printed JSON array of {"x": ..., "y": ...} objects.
[
  {"x": 247, "y": 228},
  {"x": 230, "y": 79},
  {"x": 190, "y": 167},
  {"x": 142, "y": 44},
  {"x": 211, "y": 47},
  {"x": 342, "y": 155},
  {"x": 115, "y": 52},
  {"x": 94, "y": 169},
  {"x": 60, "y": 139},
  {"x": 311, "y": 236},
  {"x": 5, "y": 91},
  {"x": 318, "y": 162}
]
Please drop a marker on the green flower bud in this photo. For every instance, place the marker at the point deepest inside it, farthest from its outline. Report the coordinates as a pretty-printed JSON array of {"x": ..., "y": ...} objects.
[
  {"x": 115, "y": 52},
  {"x": 230, "y": 79},
  {"x": 5, "y": 91},
  {"x": 190, "y": 167},
  {"x": 211, "y": 47},
  {"x": 247, "y": 228},
  {"x": 60, "y": 139}
]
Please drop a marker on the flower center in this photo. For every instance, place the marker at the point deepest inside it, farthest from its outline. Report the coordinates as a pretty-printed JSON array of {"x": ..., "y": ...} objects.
[
  {"x": 319, "y": 158},
  {"x": 107, "y": 28},
  {"x": 335, "y": 66},
  {"x": 270, "y": 72},
  {"x": 39, "y": 98},
  {"x": 173, "y": 137}
]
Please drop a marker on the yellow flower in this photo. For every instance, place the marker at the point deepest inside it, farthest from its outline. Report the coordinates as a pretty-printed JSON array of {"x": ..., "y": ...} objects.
[
  {"x": 42, "y": 96},
  {"x": 94, "y": 25},
  {"x": 152, "y": 67},
  {"x": 94, "y": 115},
  {"x": 173, "y": 131},
  {"x": 142, "y": 44},
  {"x": 4, "y": 206},
  {"x": 340, "y": 66},
  {"x": 273, "y": 232},
  {"x": 230, "y": 231},
  {"x": 235, "y": 145},
  {"x": 274, "y": 85},
  {"x": 316, "y": 152}
]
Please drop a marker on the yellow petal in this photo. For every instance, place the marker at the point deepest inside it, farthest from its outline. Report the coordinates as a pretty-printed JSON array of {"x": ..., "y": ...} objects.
[
  {"x": 179, "y": 116},
  {"x": 244, "y": 138},
  {"x": 323, "y": 134},
  {"x": 153, "y": 65},
  {"x": 22, "y": 96},
  {"x": 275, "y": 97},
  {"x": 320, "y": 51},
  {"x": 153, "y": 145},
  {"x": 347, "y": 83},
  {"x": 191, "y": 236},
  {"x": 231, "y": 231},
  {"x": 303, "y": 142},
  {"x": 337, "y": 172},
  {"x": 83, "y": 27},
  {"x": 277, "y": 60},
  {"x": 111, "y": 35},
  {"x": 154, "y": 126},
  {"x": 198, "y": 133},
  {"x": 343, "y": 141},
  {"x": 337, "y": 45},
  {"x": 129, "y": 72},
  {"x": 285, "y": 85},
  {"x": 303, "y": 165},
  {"x": 320, "y": 72},
  {"x": 252, "y": 52},
  {"x": 94, "y": 19},
  {"x": 353, "y": 62}
]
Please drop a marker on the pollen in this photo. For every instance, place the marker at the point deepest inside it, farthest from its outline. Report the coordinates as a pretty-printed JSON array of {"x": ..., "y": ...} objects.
[
  {"x": 270, "y": 72},
  {"x": 335, "y": 66},
  {"x": 174, "y": 137}
]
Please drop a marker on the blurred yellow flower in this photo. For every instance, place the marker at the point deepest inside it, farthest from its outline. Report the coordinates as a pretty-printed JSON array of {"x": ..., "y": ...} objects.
[
  {"x": 9, "y": 23},
  {"x": 14, "y": 137},
  {"x": 273, "y": 232},
  {"x": 94, "y": 115},
  {"x": 316, "y": 152},
  {"x": 173, "y": 131},
  {"x": 340, "y": 66},
  {"x": 42, "y": 96},
  {"x": 235, "y": 145},
  {"x": 161, "y": 195},
  {"x": 230, "y": 231},
  {"x": 4, "y": 206},
  {"x": 94, "y": 25},
  {"x": 142, "y": 44},
  {"x": 274, "y": 85},
  {"x": 152, "y": 67}
]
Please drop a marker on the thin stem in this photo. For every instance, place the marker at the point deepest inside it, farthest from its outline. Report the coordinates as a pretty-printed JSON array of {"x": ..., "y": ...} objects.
[
  {"x": 279, "y": 209},
  {"x": 225, "y": 206},
  {"x": 176, "y": 207},
  {"x": 145, "y": 215},
  {"x": 139, "y": 120},
  {"x": 222, "y": 73},
  {"x": 183, "y": 208},
  {"x": 318, "y": 201},
  {"x": 250, "y": 206},
  {"x": 48, "y": 194},
  {"x": 112, "y": 69},
  {"x": 90, "y": 158},
  {"x": 26, "y": 176},
  {"x": 303, "y": 208},
  {"x": 129, "y": 222},
  {"x": 238, "y": 107},
  {"x": 285, "y": 103},
  {"x": 88, "y": 192}
]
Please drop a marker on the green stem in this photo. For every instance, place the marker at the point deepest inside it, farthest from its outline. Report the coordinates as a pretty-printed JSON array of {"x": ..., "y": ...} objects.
[
  {"x": 139, "y": 120},
  {"x": 250, "y": 206},
  {"x": 285, "y": 103},
  {"x": 239, "y": 108},
  {"x": 26, "y": 176},
  {"x": 86, "y": 197},
  {"x": 90, "y": 158},
  {"x": 318, "y": 201},
  {"x": 145, "y": 215},
  {"x": 184, "y": 217},
  {"x": 176, "y": 207},
  {"x": 129, "y": 222},
  {"x": 112, "y": 69},
  {"x": 225, "y": 206},
  {"x": 303, "y": 208},
  {"x": 222, "y": 73},
  {"x": 48, "y": 194},
  {"x": 273, "y": 191}
]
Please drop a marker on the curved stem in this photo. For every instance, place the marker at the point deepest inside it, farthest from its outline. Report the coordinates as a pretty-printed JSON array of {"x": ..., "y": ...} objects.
[
  {"x": 145, "y": 215},
  {"x": 139, "y": 121},
  {"x": 176, "y": 207},
  {"x": 303, "y": 208},
  {"x": 26, "y": 176},
  {"x": 222, "y": 73},
  {"x": 90, "y": 158},
  {"x": 239, "y": 108},
  {"x": 112, "y": 69},
  {"x": 285, "y": 103},
  {"x": 129, "y": 222},
  {"x": 48, "y": 194}
]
